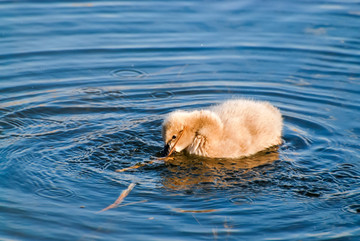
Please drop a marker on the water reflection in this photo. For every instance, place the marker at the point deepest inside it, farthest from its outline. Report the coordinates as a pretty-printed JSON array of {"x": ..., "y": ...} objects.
[{"x": 185, "y": 172}]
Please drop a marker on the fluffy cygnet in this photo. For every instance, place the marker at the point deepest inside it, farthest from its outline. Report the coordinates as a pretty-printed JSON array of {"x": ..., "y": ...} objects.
[{"x": 235, "y": 128}]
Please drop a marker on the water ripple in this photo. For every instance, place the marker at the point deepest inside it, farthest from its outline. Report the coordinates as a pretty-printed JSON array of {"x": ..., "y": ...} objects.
[
  {"x": 55, "y": 193},
  {"x": 128, "y": 73},
  {"x": 162, "y": 94},
  {"x": 354, "y": 208},
  {"x": 85, "y": 87}
]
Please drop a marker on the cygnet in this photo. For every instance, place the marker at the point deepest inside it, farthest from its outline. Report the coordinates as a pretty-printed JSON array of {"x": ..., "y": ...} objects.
[{"x": 233, "y": 129}]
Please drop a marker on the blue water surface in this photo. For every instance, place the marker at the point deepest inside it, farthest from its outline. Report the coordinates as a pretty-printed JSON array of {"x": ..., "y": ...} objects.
[{"x": 84, "y": 87}]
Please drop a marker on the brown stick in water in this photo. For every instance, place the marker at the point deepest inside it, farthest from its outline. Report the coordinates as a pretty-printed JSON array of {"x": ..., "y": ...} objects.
[
  {"x": 120, "y": 198},
  {"x": 136, "y": 166}
]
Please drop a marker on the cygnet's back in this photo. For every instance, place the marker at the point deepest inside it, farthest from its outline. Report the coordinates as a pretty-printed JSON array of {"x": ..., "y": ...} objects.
[{"x": 255, "y": 125}]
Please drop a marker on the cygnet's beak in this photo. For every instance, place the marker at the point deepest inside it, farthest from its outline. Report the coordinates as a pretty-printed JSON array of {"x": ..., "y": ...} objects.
[{"x": 168, "y": 149}]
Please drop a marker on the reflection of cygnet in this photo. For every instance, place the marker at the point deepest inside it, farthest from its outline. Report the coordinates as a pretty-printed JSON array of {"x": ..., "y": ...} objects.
[{"x": 236, "y": 128}]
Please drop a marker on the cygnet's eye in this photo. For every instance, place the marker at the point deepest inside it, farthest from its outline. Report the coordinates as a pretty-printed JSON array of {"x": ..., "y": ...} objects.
[{"x": 173, "y": 137}]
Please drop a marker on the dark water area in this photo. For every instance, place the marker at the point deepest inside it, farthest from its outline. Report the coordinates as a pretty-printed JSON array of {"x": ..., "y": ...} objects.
[{"x": 84, "y": 87}]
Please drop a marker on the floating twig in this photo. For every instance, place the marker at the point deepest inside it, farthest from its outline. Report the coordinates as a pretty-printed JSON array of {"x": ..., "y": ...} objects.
[
  {"x": 132, "y": 203},
  {"x": 120, "y": 198},
  {"x": 179, "y": 210},
  {"x": 136, "y": 166}
]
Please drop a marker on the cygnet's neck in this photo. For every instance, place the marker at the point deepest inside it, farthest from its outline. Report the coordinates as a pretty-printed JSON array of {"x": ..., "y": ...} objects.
[
  {"x": 207, "y": 129},
  {"x": 207, "y": 124}
]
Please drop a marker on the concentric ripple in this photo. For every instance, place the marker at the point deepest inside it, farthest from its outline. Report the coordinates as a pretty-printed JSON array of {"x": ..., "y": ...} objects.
[
  {"x": 54, "y": 193},
  {"x": 128, "y": 73}
]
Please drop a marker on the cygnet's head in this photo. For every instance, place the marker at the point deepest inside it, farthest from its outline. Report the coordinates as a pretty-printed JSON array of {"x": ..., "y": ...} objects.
[{"x": 177, "y": 132}]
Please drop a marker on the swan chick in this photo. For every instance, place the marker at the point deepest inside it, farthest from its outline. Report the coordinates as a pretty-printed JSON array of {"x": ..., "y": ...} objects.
[{"x": 233, "y": 129}]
